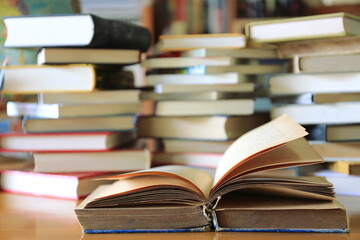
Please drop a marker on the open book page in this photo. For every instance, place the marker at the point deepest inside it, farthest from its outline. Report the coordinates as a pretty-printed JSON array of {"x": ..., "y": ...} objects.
[
  {"x": 270, "y": 135},
  {"x": 295, "y": 153},
  {"x": 181, "y": 176}
]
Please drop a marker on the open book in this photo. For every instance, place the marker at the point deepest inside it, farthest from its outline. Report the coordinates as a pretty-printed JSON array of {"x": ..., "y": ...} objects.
[{"x": 240, "y": 197}]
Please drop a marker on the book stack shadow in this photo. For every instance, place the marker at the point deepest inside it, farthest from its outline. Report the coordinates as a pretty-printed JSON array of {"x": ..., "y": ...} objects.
[
  {"x": 80, "y": 123},
  {"x": 205, "y": 96},
  {"x": 323, "y": 94}
]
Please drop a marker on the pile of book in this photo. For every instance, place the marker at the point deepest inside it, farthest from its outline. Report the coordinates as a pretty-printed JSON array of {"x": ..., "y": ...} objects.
[
  {"x": 323, "y": 91},
  {"x": 81, "y": 124},
  {"x": 205, "y": 90}
]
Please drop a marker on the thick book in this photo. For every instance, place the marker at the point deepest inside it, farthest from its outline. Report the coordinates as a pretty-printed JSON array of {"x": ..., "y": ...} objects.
[
  {"x": 325, "y": 46},
  {"x": 199, "y": 127},
  {"x": 79, "y": 124},
  {"x": 311, "y": 98},
  {"x": 71, "y": 141},
  {"x": 239, "y": 198},
  {"x": 33, "y": 79},
  {"x": 183, "y": 62},
  {"x": 194, "y": 146},
  {"x": 43, "y": 110},
  {"x": 220, "y": 78},
  {"x": 343, "y": 183},
  {"x": 338, "y": 151},
  {"x": 98, "y": 97},
  {"x": 327, "y": 63},
  {"x": 52, "y": 185},
  {"x": 194, "y": 96},
  {"x": 346, "y": 167},
  {"x": 334, "y": 133},
  {"x": 303, "y": 28},
  {"x": 188, "y": 88},
  {"x": 292, "y": 84},
  {"x": 115, "y": 160},
  {"x": 331, "y": 113},
  {"x": 205, "y": 108},
  {"x": 194, "y": 41},
  {"x": 74, "y": 30},
  {"x": 247, "y": 53},
  {"x": 88, "y": 55}
]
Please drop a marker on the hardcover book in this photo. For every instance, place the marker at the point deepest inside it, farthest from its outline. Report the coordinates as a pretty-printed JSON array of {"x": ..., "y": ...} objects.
[
  {"x": 74, "y": 30},
  {"x": 33, "y": 79},
  {"x": 239, "y": 198},
  {"x": 303, "y": 28}
]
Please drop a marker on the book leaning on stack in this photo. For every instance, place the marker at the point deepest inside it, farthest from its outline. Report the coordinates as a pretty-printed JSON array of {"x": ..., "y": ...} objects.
[
  {"x": 81, "y": 126},
  {"x": 204, "y": 96},
  {"x": 323, "y": 92}
]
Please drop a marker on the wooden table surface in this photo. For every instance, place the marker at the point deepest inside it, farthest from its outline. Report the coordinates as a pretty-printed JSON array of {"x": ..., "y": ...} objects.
[{"x": 28, "y": 217}]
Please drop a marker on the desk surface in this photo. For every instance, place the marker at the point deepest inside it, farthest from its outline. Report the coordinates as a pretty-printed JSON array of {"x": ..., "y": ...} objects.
[{"x": 27, "y": 217}]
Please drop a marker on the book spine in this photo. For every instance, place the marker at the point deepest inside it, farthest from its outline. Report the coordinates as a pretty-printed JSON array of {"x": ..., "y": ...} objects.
[{"x": 119, "y": 34}]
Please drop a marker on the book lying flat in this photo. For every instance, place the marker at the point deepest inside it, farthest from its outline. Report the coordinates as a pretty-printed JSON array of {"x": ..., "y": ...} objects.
[
  {"x": 302, "y": 28},
  {"x": 205, "y": 160},
  {"x": 331, "y": 113},
  {"x": 87, "y": 55},
  {"x": 338, "y": 151},
  {"x": 325, "y": 46},
  {"x": 36, "y": 110},
  {"x": 79, "y": 124},
  {"x": 64, "y": 185},
  {"x": 194, "y": 41},
  {"x": 287, "y": 84},
  {"x": 203, "y": 108},
  {"x": 74, "y": 30},
  {"x": 183, "y": 62},
  {"x": 33, "y": 79},
  {"x": 116, "y": 160},
  {"x": 192, "y": 96},
  {"x": 198, "y": 127},
  {"x": 248, "y": 53},
  {"x": 345, "y": 167},
  {"x": 310, "y": 98},
  {"x": 239, "y": 198},
  {"x": 334, "y": 133},
  {"x": 99, "y": 97},
  {"x": 57, "y": 142},
  {"x": 189, "y": 88},
  {"x": 327, "y": 63},
  {"x": 194, "y": 146}
]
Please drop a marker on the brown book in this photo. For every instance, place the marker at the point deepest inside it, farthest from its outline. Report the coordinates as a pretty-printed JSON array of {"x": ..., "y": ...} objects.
[
  {"x": 335, "y": 151},
  {"x": 326, "y": 46},
  {"x": 241, "y": 197},
  {"x": 346, "y": 167}
]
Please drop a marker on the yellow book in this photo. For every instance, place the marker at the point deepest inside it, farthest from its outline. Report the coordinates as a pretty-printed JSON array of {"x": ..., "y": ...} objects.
[
  {"x": 346, "y": 167},
  {"x": 303, "y": 28}
]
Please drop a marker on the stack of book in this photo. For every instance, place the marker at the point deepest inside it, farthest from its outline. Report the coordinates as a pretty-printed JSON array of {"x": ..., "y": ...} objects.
[
  {"x": 82, "y": 125},
  {"x": 323, "y": 92},
  {"x": 204, "y": 95}
]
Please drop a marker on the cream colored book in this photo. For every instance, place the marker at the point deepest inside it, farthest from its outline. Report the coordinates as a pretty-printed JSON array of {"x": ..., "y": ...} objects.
[
  {"x": 187, "y": 88},
  {"x": 183, "y": 62},
  {"x": 303, "y": 28},
  {"x": 203, "y": 108},
  {"x": 249, "y": 53},
  {"x": 194, "y": 41}
]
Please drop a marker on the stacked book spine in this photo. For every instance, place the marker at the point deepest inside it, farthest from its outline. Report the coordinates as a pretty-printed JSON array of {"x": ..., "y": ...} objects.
[
  {"x": 81, "y": 122},
  {"x": 203, "y": 99},
  {"x": 322, "y": 93}
]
